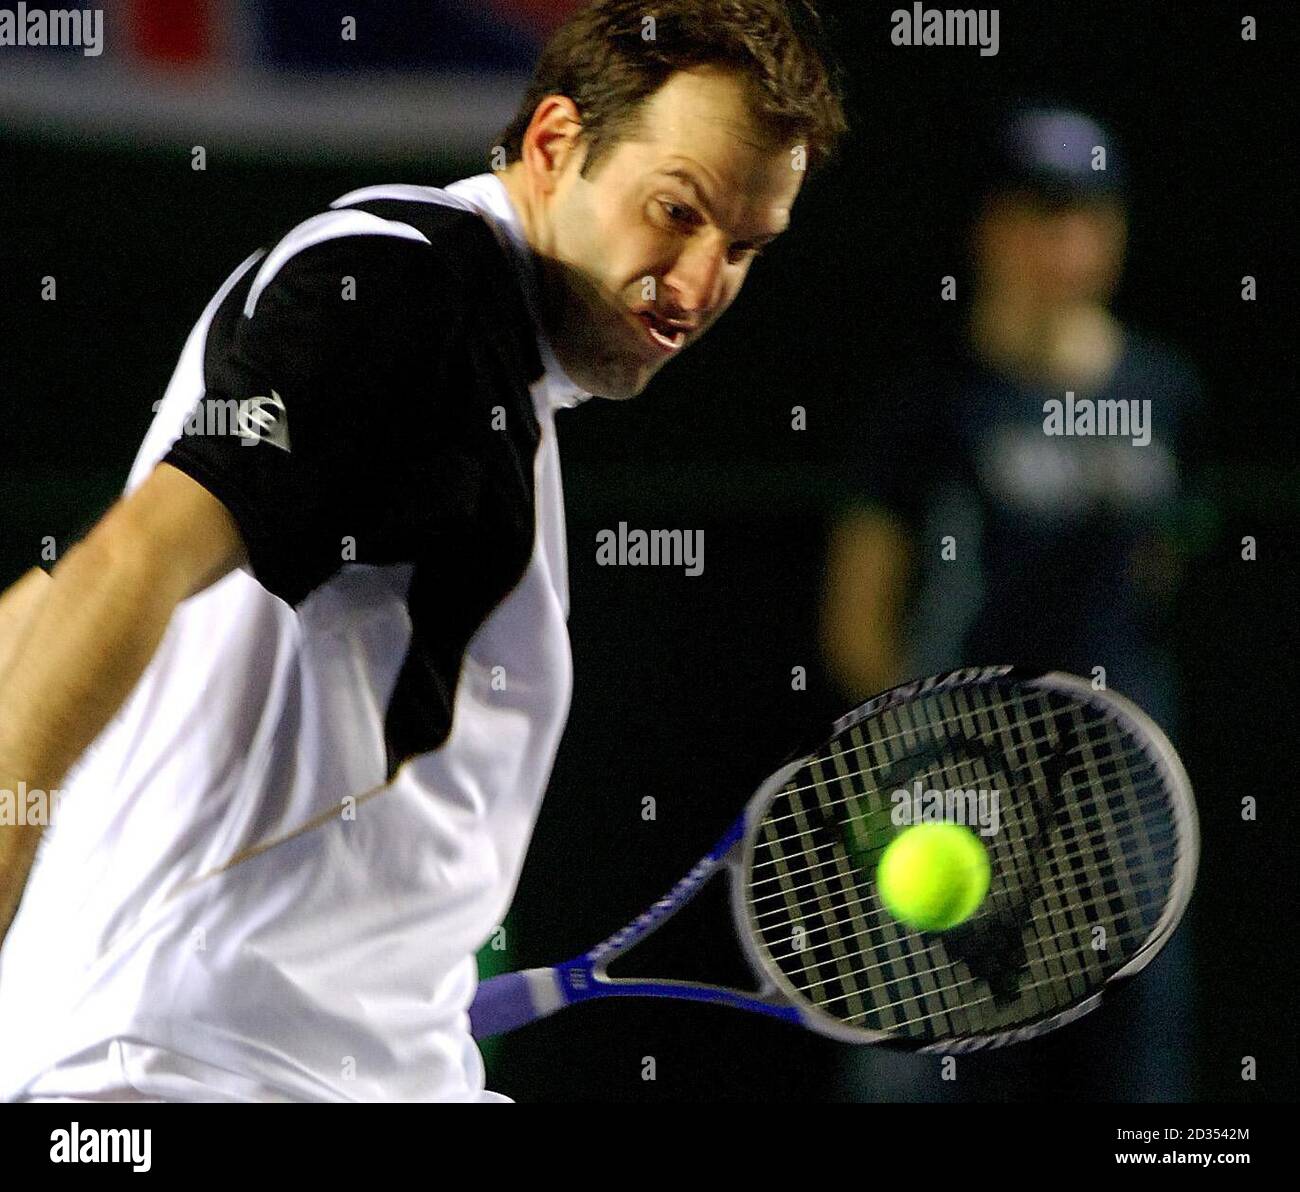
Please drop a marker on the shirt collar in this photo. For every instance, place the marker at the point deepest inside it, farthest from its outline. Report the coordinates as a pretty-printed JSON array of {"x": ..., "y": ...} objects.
[{"x": 487, "y": 194}]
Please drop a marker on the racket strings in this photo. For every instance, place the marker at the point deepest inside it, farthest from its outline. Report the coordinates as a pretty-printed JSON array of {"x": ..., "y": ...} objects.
[
  {"x": 872, "y": 771},
  {"x": 796, "y": 952},
  {"x": 1087, "y": 846},
  {"x": 1027, "y": 987},
  {"x": 1109, "y": 861},
  {"x": 780, "y": 912},
  {"x": 1125, "y": 827},
  {"x": 1136, "y": 816},
  {"x": 962, "y": 985},
  {"x": 860, "y": 797},
  {"x": 1141, "y": 917},
  {"x": 1112, "y": 894}
]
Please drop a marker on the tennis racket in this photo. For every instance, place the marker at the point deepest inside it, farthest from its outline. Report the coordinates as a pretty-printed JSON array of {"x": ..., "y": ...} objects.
[{"x": 1093, "y": 863}]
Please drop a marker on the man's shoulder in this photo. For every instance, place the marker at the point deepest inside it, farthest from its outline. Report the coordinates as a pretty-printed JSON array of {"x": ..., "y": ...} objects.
[
  {"x": 385, "y": 261},
  {"x": 456, "y": 232},
  {"x": 399, "y": 230}
]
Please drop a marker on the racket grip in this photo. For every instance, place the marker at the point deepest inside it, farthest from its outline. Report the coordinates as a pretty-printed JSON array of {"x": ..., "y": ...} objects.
[{"x": 513, "y": 1000}]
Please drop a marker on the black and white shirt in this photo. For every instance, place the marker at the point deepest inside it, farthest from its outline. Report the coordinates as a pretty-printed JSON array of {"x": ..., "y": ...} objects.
[{"x": 270, "y": 873}]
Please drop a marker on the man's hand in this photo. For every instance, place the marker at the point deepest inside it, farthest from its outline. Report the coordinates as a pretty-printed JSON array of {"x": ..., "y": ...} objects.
[{"x": 74, "y": 645}]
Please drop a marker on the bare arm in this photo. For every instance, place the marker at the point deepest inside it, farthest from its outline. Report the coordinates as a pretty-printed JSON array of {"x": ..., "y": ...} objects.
[
  {"x": 867, "y": 566},
  {"x": 86, "y": 634},
  {"x": 18, "y": 603}
]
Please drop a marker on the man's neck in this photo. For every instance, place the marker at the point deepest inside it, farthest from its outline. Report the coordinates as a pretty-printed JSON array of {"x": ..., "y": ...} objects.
[
  {"x": 512, "y": 178},
  {"x": 547, "y": 271}
]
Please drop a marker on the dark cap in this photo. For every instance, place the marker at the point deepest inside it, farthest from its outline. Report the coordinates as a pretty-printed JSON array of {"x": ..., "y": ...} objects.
[{"x": 1053, "y": 152}]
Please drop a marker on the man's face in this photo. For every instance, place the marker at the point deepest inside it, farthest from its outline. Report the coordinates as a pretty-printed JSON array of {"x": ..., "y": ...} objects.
[{"x": 646, "y": 253}]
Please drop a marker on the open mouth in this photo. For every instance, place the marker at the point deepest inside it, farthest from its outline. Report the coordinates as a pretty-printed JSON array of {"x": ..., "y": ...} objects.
[{"x": 661, "y": 333}]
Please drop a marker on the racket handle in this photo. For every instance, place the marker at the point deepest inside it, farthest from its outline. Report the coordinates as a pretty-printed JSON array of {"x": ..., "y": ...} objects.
[{"x": 513, "y": 1000}]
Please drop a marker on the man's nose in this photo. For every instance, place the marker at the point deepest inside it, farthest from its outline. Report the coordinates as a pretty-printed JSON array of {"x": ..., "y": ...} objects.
[{"x": 696, "y": 278}]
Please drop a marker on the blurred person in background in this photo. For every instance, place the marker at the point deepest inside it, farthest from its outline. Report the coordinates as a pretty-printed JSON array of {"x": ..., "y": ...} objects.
[{"x": 976, "y": 535}]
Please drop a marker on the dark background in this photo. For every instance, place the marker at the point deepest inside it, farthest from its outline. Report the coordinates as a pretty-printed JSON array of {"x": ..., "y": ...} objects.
[{"x": 683, "y": 685}]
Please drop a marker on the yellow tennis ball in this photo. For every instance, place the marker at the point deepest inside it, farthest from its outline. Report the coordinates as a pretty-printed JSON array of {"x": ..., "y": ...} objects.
[{"x": 933, "y": 876}]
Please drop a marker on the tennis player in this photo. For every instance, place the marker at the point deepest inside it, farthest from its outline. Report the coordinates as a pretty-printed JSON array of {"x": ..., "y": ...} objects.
[{"x": 302, "y": 687}]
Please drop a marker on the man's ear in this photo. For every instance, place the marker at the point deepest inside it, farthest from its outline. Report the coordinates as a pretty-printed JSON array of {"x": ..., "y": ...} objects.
[{"x": 553, "y": 141}]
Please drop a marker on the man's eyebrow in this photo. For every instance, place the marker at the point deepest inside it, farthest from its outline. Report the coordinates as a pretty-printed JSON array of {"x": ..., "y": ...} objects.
[{"x": 687, "y": 178}]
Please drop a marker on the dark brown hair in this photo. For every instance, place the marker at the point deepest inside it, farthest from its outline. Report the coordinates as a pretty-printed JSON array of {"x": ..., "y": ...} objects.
[{"x": 604, "y": 60}]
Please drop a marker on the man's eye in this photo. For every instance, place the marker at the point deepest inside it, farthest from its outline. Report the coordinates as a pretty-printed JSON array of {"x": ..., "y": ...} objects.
[
  {"x": 745, "y": 252},
  {"x": 678, "y": 214}
]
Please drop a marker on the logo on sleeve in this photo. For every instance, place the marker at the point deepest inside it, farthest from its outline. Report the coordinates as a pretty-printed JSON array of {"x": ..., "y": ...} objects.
[{"x": 263, "y": 420}]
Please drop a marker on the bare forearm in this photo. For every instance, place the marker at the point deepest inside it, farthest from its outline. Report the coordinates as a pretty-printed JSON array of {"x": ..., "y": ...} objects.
[
  {"x": 18, "y": 604},
  {"x": 83, "y": 646}
]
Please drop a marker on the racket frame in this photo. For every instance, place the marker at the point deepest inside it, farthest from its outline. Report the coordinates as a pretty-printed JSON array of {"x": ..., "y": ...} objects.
[{"x": 536, "y": 993}]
